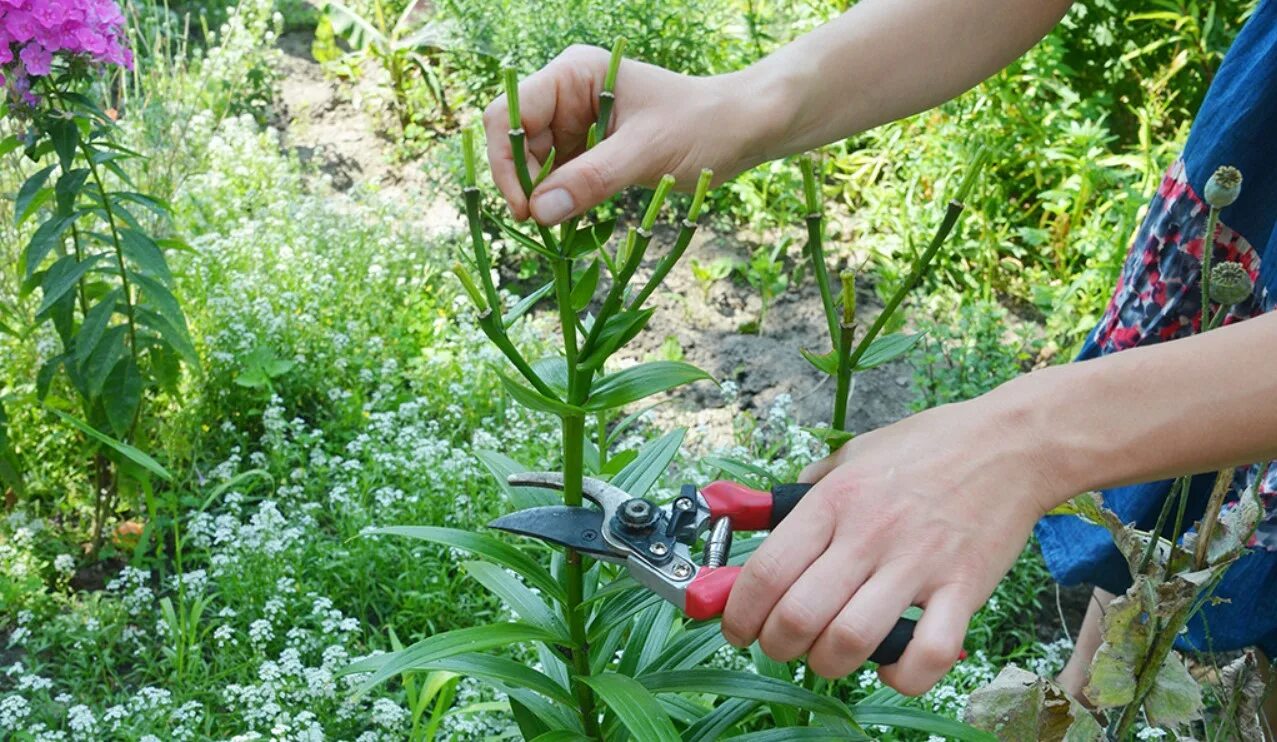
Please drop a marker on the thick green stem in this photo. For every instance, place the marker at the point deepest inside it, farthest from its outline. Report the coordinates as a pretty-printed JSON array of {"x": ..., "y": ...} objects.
[
  {"x": 1208, "y": 254},
  {"x": 488, "y": 322},
  {"x": 685, "y": 233},
  {"x": 125, "y": 284},
  {"x": 616, "y": 294},
  {"x": 607, "y": 97},
  {"x": 816, "y": 251},
  {"x": 843, "y": 391},
  {"x": 573, "y": 576},
  {"x": 1156, "y": 535},
  {"x": 916, "y": 272},
  {"x": 847, "y": 334}
]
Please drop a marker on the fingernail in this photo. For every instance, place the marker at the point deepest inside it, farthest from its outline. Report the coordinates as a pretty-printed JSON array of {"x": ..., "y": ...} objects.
[{"x": 553, "y": 206}]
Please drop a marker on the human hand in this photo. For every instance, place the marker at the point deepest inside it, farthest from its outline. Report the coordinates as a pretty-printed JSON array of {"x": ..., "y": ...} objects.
[
  {"x": 662, "y": 122},
  {"x": 931, "y": 511}
]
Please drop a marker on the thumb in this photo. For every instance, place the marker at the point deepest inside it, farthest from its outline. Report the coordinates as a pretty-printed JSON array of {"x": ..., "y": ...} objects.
[{"x": 586, "y": 181}]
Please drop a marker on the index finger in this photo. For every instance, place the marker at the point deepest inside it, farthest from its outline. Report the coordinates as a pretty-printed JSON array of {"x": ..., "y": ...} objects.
[
  {"x": 770, "y": 571},
  {"x": 539, "y": 98}
]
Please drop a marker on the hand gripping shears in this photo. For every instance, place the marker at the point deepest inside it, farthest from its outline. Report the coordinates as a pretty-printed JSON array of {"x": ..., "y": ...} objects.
[{"x": 655, "y": 542}]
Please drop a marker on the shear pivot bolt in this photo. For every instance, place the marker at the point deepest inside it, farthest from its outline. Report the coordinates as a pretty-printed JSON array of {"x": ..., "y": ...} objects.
[
  {"x": 637, "y": 514},
  {"x": 681, "y": 570},
  {"x": 659, "y": 549}
]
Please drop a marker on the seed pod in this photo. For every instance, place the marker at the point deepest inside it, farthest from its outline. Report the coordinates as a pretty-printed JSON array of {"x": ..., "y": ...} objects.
[
  {"x": 1224, "y": 187},
  {"x": 1230, "y": 284}
]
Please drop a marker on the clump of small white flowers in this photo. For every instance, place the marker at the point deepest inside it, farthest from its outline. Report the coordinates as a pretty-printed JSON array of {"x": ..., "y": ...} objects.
[
  {"x": 260, "y": 632},
  {"x": 80, "y": 719},
  {"x": 14, "y": 709},
  {"x": 388, "y": 715},
  {"x": 64, "y": 564}
]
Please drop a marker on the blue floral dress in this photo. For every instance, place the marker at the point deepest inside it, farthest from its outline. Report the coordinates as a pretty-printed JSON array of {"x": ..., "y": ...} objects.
[{"x": 1158, "y": 298}]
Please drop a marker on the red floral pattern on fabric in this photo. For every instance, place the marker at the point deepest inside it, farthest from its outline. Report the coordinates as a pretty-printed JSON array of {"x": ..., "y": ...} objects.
[{"x": 1158, "y": 296}]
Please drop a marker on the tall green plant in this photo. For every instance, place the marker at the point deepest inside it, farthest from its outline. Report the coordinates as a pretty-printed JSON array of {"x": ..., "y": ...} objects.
[
  {"x": 614, "y": 661},
  {"x": 104, "y": 282},
  {"x": 849, "y": 357}
]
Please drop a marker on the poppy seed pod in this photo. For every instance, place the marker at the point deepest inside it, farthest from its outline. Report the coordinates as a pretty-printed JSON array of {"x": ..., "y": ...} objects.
[
  {"x": 1224, "y": 187},
  {"x": 1230, "y": 284}
]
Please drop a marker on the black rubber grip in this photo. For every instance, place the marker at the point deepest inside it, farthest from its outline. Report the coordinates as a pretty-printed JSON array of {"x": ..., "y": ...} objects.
[
  {"x": 889, "y": 652},
  {"x": 784, "y": 498}
]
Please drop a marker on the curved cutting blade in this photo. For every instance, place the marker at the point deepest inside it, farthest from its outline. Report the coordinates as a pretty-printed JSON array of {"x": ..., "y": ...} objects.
[{"x": 575, "y": 528}]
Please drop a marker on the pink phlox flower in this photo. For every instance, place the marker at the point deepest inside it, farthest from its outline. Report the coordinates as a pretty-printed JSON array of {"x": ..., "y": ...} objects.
[
  {"x": 19, "y": 25},
  {"x": 36, "y": 59}
]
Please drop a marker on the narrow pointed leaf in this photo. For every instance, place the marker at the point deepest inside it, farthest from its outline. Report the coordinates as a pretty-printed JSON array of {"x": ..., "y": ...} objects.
[
  {"x": 887, "y": 349},
  {"x": 640, "y": 475},
  {"x": 826, "y": 363},
  {"x": 485, "y": 546},
  {"x": 526, "y": 303},
  {"x": 46, "y": 236},
  {"x": 122, "y": 395},
  {"x": 525, "y": 603},
  {"x": 638, "y": 382},
  {"x": 735, "y": 684},
  {"x": 61, "y": 278},
  {"x": 22, "y": 204},
  {"x": 521, "y": 498},
  {"x": 120, "y": 447},
  {"x": 713, "y": 725},
  {"x": 691, "y": 649},
  {"x": 637, "y": 709},
  {"x": 442, "y": 646},
  {"x": 501, "y": 669},
  {"x": 906, "y": 717},
  {"x": 534, "y": 400},
  {"x": 583, "y": 288}
]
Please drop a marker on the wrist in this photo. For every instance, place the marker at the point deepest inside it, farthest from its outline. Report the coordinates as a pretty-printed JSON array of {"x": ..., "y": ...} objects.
[
  {"x": 1026, "y": 427},
  {"x": 761, "y": 103}
]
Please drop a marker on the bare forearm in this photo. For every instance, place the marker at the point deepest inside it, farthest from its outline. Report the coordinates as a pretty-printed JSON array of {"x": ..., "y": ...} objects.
[
  {"x": 883, "y": 60},
  {"x": 1188, "y": 406}
]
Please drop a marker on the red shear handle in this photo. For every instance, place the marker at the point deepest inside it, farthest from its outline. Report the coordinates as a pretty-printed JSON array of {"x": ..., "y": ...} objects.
[
  {"x": 751, "y": 509},
  {"x": 706, "y": 597}
]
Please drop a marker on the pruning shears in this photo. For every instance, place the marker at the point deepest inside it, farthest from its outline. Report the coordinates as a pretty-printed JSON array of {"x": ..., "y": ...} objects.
[{"x": 655, "y": 542}]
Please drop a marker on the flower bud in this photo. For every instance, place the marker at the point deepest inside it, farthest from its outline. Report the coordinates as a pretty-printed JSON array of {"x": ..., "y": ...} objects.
[
  {"x": 1230, "y": 284},
  {"x": 1224, "y": 187},
  {"x": 467, "y": 282}
]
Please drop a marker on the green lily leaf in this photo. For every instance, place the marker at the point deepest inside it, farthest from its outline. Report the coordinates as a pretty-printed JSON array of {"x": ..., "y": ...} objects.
[
  {"x": 885, "y": 349},
  {"x": 639, "y": 476},
  {"x": 442, "y": 646},
  {"x": 634, "y": 705},
  {"x": 129, "y": 452},
  {"x": 483, "y": 545},
  {"x": 637, "y": 382},
  {"x": 535, "y": 400},
  {"x": 826, "y": 363},
  {"x": 525, "y": 603}
]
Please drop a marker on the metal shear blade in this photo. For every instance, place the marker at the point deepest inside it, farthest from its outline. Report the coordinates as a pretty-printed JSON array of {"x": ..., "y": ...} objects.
[{"x": 575, "y": 528}]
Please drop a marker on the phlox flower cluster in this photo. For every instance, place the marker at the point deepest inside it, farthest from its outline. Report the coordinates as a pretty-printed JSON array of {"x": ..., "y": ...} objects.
[{"x": 34, "y": 32}]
